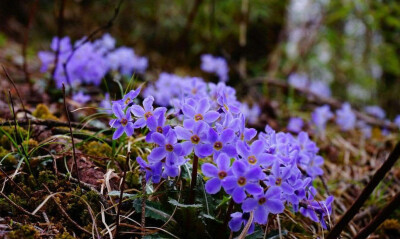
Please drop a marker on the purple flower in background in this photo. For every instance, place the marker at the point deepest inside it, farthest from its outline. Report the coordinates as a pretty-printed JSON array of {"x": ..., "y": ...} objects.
[
  {"x": 147, "y": 114},
  {"x": 245, "y": 134},
  {"x": 365, "y": 129},
  {"x": 123, "y": 123},
  {"x": 222, "y": 142},
  {"x": 397, "y": 121},
  {"x": 255, "y": 154},
  {"x": 263, "y": 204},
  {"x": 81, "y": 98},
  {"x": 215, "y": 65},
  {"x": 243, "y": 179},
  {"x": 320, "y": 117},
  {"x": 195, "y": 136},
  {"x": 345, "y": 117},
  {"x": 125, "y": 60},
  {"x": 239, "y": 219},
  {"x": 216, "y": 174},
  {"x": 298, "y": 80},
  {"x": 200, "y": 111},
  {"x": 295, "y": 124},
  {"x": 105, "y": 104},
  {"x": 252, "y": 114},
  {"x": 194, "y": 87},
  {"x": 375, "y": 111},
  {"x": 320, "y": 88},
  {"x": 228, "y": 105},
  {"x": 152, "y": 171}
]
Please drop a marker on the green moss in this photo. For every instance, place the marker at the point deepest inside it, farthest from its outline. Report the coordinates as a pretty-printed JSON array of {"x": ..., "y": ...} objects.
[
  {"x": 97, "y": 149},
  {"x": 5, "y": 207},
  {"x": 10, "y": 161},
  {"x": 26, "y": 231},
  {"x": 65, "y": 235},
  {"x": 46, "y": 177},
  {"x": 42, "y": 112}
]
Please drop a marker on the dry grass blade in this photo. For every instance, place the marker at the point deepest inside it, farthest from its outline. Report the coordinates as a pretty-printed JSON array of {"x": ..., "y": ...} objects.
[
  {"x": 247, "y": 226},
  {"x": 18, "y": 207}
]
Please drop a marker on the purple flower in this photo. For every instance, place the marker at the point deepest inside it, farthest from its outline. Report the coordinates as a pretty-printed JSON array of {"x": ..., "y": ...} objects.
[
  {"x": 245, "y": 134},
  {"x": 320, "y": 88},
  {"x": 317, "y": 210},
  {"x": 252, "y": 114},
  {"x": 194, "y": 87},
  {"x": 298, "y": 80},
  {"x": 153, "y": 171},
  {"x": 81, "y": 98},
  {"x": 375, "y": 111},
  {"x": 397, "y": 121},
  {"x": 123, "y": 123},
  {"x": 129, "y": 97},
  {"x": 145, "y": 114},
  {"x": 279, "y": 176},
  {"x": 255, "y": 154},
  {"x": 105, "y": 104},
  {"x": 168, "y": 149},
  {"x": 217, "y": 174},
  {"x": 365, "y": 129},
  {"x": 263, "y": 204},
  {"x": 295, "y": 124},
  {"x": 228, "y": 105},
  {"x": 215, "y": 65},
  {"x": 243, "y": 179},
  {"x": 239, "y": 219},
  {"x": 199, "y": 111},
  {"x": 320, "y": 117},
  {"x": 345, "y": 117},
  {"x": 222, "y": 142},
  {"x": 195, "y": 136},
  {"x": 159, "y": 126}
]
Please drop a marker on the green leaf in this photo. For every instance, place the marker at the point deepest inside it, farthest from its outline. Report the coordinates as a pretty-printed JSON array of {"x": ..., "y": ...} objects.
[{"x": 176, "y": 203}]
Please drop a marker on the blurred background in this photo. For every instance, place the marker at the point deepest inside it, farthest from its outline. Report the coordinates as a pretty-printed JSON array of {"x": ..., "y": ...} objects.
[{"x": 351, "y": 46}]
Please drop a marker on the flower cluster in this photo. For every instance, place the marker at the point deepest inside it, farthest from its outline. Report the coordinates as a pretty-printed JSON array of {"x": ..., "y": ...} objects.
[
  {"x": 301, "y": 81},
  {"x": 262, "y": 174},
  {"x": 216, "y": 65},
  {"x": 88, "y": 62}
]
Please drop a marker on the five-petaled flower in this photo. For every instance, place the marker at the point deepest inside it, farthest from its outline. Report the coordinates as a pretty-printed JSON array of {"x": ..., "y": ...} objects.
[{"x": 123, "y": 123}]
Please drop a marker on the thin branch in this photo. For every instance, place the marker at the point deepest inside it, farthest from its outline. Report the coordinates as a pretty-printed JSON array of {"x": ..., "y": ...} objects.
[
  {"x": 381, "y": 217},
  {"x": 32, "y": 14},
  {"x": 90, "y": 37},
  {"x": 376, "y": 179},
  {"x": 11, "y": 180},
  {"x": 121, "y": 194},
  {"x": 18, "y": 207},
  {"x": 63, "y": 212},
  {"x": 60, "y": 27},
  {"x": 144, "y": 198},
  {"x": 194, "y": 179},
  {"x": 72, "y": 137},
  {"x": 16, "y": 89}
]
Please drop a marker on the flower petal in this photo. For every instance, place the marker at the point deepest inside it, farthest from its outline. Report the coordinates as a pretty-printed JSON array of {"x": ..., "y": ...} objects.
[
  {"x": 253, "y": 188},
  {"x": 249, "y": 204},
  {"x": 148, "y": 103},
  {"x": 213, "y": 186},
  {"x": 274, "y": 205},
  {"x": 229, "y": 182},
  {"x": 209, "y": 170},
  {"x": 227, "y": 136},
  {"x": 118, "y": 133},
  {"x": 137, "y": 110},
  {"x": 158, "y": 138},
  {"x": 182, "y": 133},
  {"x": 203, "y": 150},
  {"x": 157, "y": 154},
  {"x": 188, "y": 111},
  {"x": 129, "y": 129},
  {"x": 211, "y": 116},
  {"x": 140, "y": 123},
  {"x": 261, "y": 215},
  {"x": 257, "y": 147},
  {"x": 239, "y": 168},
  {"x": 223, "y": 162},
  {"x": 238, "y": 195}
]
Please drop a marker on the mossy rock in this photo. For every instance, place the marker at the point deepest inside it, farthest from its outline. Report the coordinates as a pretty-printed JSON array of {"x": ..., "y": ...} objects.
[
  {"x": 25, "y": 231},
  {"x": 42, "y": 112}
]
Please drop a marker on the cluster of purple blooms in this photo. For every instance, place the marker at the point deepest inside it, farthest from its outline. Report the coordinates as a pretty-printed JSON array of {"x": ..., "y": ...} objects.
[
  {"x": 216, "y": 65},
  {"x": 88, "y": 62},
  {"x": 345, "y": 118},
  {"x": 263, "y": 172},
  {"x": 301, "y": 81}
]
